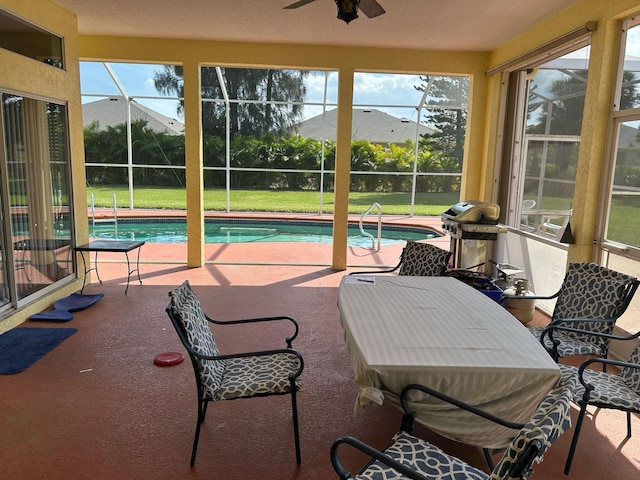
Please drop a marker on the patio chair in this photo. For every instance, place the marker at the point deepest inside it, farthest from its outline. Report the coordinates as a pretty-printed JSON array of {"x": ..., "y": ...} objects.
[
  {"x": 524, "y": 217},
  {"x": 418, "y": 259},
  {"x": 239, "y": 375},
  {"x": 419, "y": 460},
  {"x": 591, "y": 299},
  {"x": 605, "y": 390}
]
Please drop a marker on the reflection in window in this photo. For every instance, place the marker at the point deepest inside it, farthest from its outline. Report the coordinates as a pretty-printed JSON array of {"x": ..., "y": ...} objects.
[
  {"x": 5, "y": 296},
  {"x": 623, "y": 222},
  {"x": 26, "y": 39},
  {"x": 551, "y": 140},
  {"x": 39, "y": 192},
  {"x": 624, "y": 213}
]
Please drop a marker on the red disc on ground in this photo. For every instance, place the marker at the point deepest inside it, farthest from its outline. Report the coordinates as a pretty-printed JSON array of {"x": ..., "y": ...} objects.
[{"x": 168, "y": 358}]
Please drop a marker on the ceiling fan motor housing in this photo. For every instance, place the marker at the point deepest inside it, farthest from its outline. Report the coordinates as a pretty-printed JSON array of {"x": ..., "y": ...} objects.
[{"x": 347, "y": 10}]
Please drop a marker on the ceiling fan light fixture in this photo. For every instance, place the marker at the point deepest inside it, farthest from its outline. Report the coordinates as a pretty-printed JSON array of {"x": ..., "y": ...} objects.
[{"x": 347, "y": 10}]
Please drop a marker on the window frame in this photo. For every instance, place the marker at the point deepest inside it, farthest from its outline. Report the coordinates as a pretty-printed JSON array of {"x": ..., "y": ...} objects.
[
  {"x": 510, "y": 165},
  {"x": 617, "y": 118}
]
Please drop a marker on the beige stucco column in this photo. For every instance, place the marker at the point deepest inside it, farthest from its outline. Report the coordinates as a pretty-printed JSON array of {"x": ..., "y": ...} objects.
[
  {"x": 193, "y": 161},
  {"x": 593, "y": 144},
  {"x": 343, "y": 167}
]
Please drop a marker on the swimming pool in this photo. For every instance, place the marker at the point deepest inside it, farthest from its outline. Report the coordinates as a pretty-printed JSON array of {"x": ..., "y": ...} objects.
[{"x": 163, "y": 230}]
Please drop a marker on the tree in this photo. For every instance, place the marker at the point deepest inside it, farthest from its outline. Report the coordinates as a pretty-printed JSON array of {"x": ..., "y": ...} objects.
[
  {"x": 561, "y": 108},
  {"x": 449, "y": 120},
  {"x": 242, "y": 85}
]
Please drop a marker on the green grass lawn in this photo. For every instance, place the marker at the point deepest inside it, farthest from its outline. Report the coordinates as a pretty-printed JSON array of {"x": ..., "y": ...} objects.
[{"x": 271, "y": 201}]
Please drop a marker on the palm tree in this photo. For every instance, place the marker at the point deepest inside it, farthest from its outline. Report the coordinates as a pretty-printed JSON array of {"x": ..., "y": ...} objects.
[{"x": 254, "y": 97}]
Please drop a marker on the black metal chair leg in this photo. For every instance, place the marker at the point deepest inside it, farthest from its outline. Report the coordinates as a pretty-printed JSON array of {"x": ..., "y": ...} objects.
[
  {"x": 202, "y": 409},
  {"x": 487, "y": 457},
  {"x": 296, "y": 432},
  {"x": 628, "y": 424},
  {"x": 574, "y": 440}
]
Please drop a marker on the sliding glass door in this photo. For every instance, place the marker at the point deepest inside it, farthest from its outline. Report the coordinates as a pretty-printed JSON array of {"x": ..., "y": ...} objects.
[{"x": 36, "y": 194}]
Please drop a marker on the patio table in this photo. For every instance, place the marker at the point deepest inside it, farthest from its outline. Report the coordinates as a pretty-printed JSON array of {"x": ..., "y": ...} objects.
[
  {"x": 442, "y": 333},
  {"x": 118, "y": 246}
]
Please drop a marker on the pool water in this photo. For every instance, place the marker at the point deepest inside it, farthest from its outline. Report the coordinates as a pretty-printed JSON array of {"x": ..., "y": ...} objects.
[{"x": 240, "y": 231}]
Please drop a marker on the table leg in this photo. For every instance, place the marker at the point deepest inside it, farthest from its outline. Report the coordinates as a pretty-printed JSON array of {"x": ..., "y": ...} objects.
[
  {"x": 138, "y": 265},
  {"x": 84, "y": 267},
  {"x": 95, "y": 263},
  {"x": 137, "y": 269},
  {"x": 87, "y": 270}
]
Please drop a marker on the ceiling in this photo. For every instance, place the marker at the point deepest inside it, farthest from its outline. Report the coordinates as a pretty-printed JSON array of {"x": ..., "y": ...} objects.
[{"x": 474, "y": 25}]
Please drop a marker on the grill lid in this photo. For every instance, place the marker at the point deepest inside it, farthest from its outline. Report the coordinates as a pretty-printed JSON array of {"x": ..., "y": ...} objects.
[{"x": 473, "y": 211}]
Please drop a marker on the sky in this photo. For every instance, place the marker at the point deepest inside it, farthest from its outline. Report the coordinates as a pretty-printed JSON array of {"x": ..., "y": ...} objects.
[
  {"x": 386, "y": 92},
  {"x": 393, "y": 93}
]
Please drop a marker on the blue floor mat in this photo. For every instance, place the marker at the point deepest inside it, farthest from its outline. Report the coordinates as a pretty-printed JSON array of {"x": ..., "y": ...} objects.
[
  {"x": 22, "y": 347},
  {"x": 63, "y": 307}
]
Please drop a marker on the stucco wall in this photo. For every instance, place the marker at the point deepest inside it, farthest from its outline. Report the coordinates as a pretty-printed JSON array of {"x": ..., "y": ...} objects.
[{"x": 22, "y": 75}]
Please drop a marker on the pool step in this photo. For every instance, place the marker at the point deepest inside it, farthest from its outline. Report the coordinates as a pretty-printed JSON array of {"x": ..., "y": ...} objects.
[{"x": 249, "y": 229}]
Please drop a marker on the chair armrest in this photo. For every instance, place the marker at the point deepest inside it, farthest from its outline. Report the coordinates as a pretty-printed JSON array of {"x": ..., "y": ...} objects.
[
  {"x": 563, "y": 321},
  {"x": 548, "y": 331},
  {"x": 557, "y": 325},
  {"x": 373, "y": 272},
  {"x": 603, "y": 361},
  {"x": 409, "y": 414},
  {"x": 258, "y": 353},
  {"x": 606, "y": 361},
  {"x": 529, "y": 297},
  {"x": 344, "y": 474},
  {"x": 259, "y": 320}
]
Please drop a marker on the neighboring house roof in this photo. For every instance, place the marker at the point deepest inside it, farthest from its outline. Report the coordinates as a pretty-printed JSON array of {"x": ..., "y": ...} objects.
[
  {"x": 628, "y": 137},
  {"x": 112, "y": 111},
  {"x": 372, "y": 125}
]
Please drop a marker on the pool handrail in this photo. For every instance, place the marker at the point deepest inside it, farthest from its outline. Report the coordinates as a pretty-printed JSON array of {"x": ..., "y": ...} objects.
[{"x": 367, "y": 234}]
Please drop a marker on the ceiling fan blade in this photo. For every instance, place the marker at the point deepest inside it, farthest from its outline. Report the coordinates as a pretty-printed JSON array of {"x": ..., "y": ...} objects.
[
  {"x": 299, "y": 3},
  {"x": 371, "y": 8}
]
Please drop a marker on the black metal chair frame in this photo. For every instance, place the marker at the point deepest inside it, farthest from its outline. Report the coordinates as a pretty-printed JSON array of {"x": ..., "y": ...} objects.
[
  {"x": 630, "y": 291},
  {"x": 397, "y": 267},
  {"x": 193, "y": 355},
  {"x": 548, "y": 332},
  {"x": 584, "y": 402},
  {"x": 407, "y": 425}
]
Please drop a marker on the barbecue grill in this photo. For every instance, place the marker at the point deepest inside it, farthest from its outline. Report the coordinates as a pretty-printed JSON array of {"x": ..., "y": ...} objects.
[{"x": 472, "y": 225}]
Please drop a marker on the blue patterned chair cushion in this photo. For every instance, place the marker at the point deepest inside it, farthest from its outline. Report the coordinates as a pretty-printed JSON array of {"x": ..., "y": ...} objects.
[
  {"x": 631, "y": 375},
  {"x": 423, "y": 259},
  {"x": 552, "y": 419},
  {"x": 259, "y": 375},
  {"x": 570, "y": 345},
  {"x": 423, "y": 457},
  {"x": 610, "y": 390},
  {"x": 589, "y": 291},
  {"x": 196, "y": 328}
]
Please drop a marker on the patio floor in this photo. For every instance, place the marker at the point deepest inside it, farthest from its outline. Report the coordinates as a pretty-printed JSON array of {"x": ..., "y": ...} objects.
[{"x": 96, "y": 407}]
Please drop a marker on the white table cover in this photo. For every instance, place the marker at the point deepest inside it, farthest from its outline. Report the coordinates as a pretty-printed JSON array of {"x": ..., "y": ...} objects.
[{"x": 442, "y": 333}]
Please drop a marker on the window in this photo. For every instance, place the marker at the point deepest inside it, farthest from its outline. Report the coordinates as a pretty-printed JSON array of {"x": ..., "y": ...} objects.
[
  {"x": 22, "y": 37},
  {"x": 133, "y": 133},
  {"x": 36, "y": 192},
  {"x": 268, "y": 130},
  {"x": 623, "y": 217},
  {"x": 546, "y": 102},
  {"x": 407, "y": 142}
]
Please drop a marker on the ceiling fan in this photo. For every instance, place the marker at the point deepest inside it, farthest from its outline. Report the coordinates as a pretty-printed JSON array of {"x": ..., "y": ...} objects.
[{"x": 348, "y": 9}]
